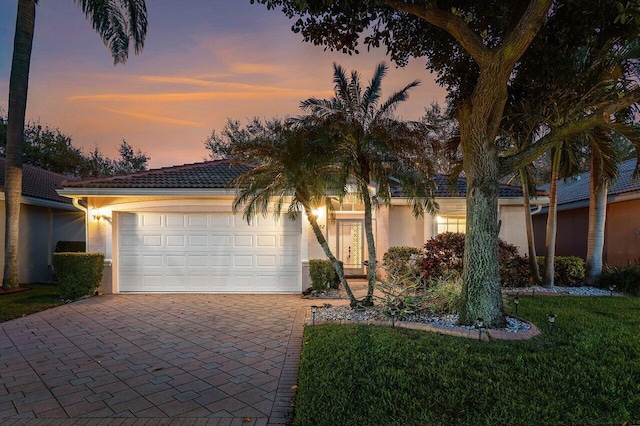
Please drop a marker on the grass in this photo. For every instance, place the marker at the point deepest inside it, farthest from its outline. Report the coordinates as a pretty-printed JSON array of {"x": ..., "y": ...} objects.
[
  {"x": 37, "y": 298},
  {"x": 586, "y": 372}
]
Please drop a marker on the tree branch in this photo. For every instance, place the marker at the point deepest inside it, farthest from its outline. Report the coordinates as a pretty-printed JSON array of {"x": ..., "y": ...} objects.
[
  {"x": 598, "y": 117},
  {"x": 452, "y": 24},
  {"x": 519, "y": 39}
]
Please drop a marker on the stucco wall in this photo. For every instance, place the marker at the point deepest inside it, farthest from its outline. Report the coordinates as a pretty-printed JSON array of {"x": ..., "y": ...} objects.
[
  {"x": 571, "y": 234},
  {"x": 513, "y": 229},
  {"x": 404, "y": 228},
  {"x": 622, "y": 233},
  {"x": 40, "y": 229}
]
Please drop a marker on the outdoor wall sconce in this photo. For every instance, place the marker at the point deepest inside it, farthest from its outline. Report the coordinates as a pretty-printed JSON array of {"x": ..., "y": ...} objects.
[
  {"x": 552, "y": 319},
  {"x": 480, "y": 327},
  {"x": 98, "y": 215},
  {"x": 516, "y": 301},
  {"x": 314, "y": 308}
]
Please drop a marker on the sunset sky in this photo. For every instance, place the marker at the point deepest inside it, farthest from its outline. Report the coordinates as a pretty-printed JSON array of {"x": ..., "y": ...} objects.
[{"x": 203, "y": 61}]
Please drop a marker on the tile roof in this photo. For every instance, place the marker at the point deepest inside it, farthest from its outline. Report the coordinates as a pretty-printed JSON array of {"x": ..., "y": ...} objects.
[
  {"x": 206, "y": 175},
  {"x": 38, "y": 183},
  {"x": 444, "y": 190},
  {"x": 576, "y": 189},
  {"x": 218, "y": 174}
]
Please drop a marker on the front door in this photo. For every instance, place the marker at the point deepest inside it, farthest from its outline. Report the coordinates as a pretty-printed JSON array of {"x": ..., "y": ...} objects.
[{"x": 351, "y": 246}]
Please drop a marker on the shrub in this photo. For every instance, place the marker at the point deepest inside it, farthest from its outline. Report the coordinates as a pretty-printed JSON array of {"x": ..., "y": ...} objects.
[
  {"x": 568, "y": 270},
  {"x": 323, "y": 275},
  {"x": 397, "y": 260},
  {"x": 444, "y": 254},
  {"x": 625, "y": 279},
  {"x": 78, "y": 274},
  {"x": 444, "y": 294},
  {"x": 70, "y": 246},
  {"x": 404, "y": 295}
]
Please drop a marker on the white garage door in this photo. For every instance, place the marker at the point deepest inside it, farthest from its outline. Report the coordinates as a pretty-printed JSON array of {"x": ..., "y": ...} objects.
[{"x": 207, "y": 252}]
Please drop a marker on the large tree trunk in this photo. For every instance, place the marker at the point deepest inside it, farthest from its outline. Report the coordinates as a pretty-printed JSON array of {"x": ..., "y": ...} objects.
[
  {"x": 327, "y": 251},
  {"x": 533, "y": 262},
  {"x": 371, "y": 247},
  {"x": 18, "y": 85},
  {"x": 552, "y": 221},
  {"x": 479, "y": 119},
  {"x": 597, "y": 221}
]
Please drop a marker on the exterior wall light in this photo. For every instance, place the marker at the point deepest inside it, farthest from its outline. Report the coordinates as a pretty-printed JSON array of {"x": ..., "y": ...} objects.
[{"x": 98, "y": 214}]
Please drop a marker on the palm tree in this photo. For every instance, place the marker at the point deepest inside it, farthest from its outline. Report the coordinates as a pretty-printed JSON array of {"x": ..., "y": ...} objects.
[
  {"x": 117, "y": 22},
  {"x": 294, "y": 164},
  {"x": 377, "y": 148}
]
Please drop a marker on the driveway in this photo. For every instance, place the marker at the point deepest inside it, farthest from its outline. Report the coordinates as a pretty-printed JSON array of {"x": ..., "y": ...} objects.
[{"x": 153, "y": 359}]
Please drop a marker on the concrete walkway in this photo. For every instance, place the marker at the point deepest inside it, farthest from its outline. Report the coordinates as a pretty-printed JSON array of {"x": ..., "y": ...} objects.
[{"x": 153, "y": 359}]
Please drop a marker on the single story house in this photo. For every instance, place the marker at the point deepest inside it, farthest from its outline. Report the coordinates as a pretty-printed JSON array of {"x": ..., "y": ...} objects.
[
  {"x": 622, "y": 227},
  {"x": 172, "y": 230},
  {"x": 45, "y": 219}
]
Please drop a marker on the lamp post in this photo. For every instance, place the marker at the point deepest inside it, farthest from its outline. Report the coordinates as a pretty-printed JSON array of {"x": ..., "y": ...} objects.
[
  {"x": 552, "y": 319},
  {"x": 314, "y": 308},
  {"x": 480, "y": 326},
  {"x": 516, "y": 301}
]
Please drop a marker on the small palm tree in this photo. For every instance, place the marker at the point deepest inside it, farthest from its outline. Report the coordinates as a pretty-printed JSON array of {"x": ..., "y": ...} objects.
[
  {"x": 293, "y": 166},
  {"x": 376, "y": 148},
  {"x": 117, "y": 22}
]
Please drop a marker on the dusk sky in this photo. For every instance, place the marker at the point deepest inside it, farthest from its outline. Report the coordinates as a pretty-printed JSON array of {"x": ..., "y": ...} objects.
[{"x": 203, "y": 61}]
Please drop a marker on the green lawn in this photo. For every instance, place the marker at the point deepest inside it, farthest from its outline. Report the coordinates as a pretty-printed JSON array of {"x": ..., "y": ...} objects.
[
  {"x": 38, "y": 298},
  {"x": 586, "y": 372}
]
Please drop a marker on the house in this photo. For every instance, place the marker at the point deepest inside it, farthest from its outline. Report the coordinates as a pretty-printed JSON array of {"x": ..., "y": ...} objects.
[
  {"x": 45, "y": 219},
  {"x": 622, "y": 228},
  {"x": 172, "y": 230}
]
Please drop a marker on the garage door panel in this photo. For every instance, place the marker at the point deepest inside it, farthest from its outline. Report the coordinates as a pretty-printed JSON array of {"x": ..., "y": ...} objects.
[
  {"x": 149, "y": 220},
  {"x": 243, "y": 240},
  {"x": 220, "y": 260},
  {"x": 207, "y": 252},
  {"x": 220, "y": 241}
]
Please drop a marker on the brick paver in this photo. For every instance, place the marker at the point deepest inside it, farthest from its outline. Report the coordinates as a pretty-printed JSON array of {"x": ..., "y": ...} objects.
[{"x": 154, "y": 359}]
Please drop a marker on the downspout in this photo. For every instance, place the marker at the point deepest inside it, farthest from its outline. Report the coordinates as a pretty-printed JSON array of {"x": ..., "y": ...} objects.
[
  {"x": 537, "y": 210},
  {"x": 76, "y": 204}
]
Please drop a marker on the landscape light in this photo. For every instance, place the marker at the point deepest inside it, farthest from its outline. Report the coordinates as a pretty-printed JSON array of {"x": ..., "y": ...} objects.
[
  {"x": 480, "y": 326},
  {"x": 516, "y": 301},
  {"x": 393, "y": 317},
  {"x": 552, "y": 319},
  {"x": 612, "y": 288},
  {"x": 314, "y": 308}
]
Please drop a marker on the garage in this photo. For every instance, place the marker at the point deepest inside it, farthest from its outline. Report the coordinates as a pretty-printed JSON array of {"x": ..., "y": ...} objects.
[{"x": 215, "y": 252}]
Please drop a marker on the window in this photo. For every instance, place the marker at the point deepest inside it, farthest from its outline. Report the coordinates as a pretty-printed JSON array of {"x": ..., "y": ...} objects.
[{"x": 450, "y": 224}]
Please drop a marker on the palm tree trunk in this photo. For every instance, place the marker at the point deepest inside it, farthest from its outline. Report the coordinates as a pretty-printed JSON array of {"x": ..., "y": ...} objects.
[
  {"x": 18, "y": 85},
  {"x": 597, "y": 221},
  {"x": 552, "y": 221},
  {"x": 371, "y": 246},
  {"x": 533, "y": 262},
  {"x": 327, "y": 251}
]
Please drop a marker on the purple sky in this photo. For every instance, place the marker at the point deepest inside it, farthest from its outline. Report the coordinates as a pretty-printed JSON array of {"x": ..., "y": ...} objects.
[{"x": 203, "y": 61}]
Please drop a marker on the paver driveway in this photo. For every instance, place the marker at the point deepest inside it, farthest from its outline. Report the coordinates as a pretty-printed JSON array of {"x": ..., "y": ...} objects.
[{"x": 170, "y": 359}]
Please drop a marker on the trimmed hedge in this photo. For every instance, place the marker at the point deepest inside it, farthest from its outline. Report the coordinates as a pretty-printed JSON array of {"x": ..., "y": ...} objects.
[
  {"x": 323, "y": 275},
  {"x": 397, "y": 260},
  {"x": 78, "y": 274},
  {"x": 70, "y": 246},
  {"x": 568, "y": 270}
]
